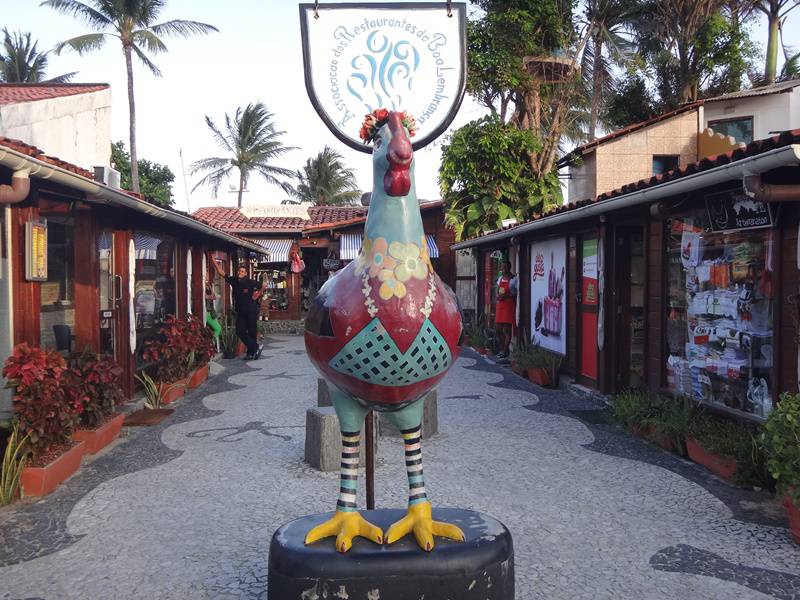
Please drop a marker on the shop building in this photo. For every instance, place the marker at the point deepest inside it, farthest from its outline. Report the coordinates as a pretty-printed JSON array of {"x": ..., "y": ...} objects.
[
  {"x": 683, "y": 283},
  {"x": 87, "y": 265},
  {"x": 325, "y": 238}
]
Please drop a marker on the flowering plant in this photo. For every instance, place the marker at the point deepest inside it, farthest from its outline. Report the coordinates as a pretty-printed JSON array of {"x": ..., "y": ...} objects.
[
  {"x": 377, "y": 119},
  {"x": 45, "y": 404}
]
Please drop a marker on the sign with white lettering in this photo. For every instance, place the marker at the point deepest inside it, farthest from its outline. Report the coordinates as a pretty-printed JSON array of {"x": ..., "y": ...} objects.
[
  {"x": 732, "y": 210},
  {"x": 360, "y": 57}
]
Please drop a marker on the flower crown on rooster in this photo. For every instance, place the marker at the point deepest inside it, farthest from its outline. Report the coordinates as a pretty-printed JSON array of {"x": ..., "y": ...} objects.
[{"x": 377, "y": 118}]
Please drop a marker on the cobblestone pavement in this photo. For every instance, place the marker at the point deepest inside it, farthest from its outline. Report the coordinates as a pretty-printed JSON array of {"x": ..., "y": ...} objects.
[{"x": 186, "y": 509}]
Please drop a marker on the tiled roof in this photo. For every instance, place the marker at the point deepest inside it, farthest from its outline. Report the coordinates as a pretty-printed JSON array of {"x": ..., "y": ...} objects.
[
  {"x": 361, "y": 219},
  {"x": 34, "y": 152},
  {"x": 15, "y": 93},
  {"x": 231, "y": 218},
  {"x": 755, "y": 148},
  {"x": 775, "y": 88}
]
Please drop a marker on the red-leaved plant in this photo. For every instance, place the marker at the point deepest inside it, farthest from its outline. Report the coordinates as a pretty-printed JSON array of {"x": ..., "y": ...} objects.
[
  {"x": 98, "y": 379},
  {"x": 201, "y": 341},
  {"x": 167, "y": 353},
  {"x": 44, "y": 406}
]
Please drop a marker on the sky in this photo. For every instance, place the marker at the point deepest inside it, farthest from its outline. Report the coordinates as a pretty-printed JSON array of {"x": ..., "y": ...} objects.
[{"x": 256, "y": 56}]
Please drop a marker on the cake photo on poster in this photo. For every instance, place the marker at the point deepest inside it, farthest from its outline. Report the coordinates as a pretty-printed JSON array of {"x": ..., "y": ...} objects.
[{"x": 548, "y": 280}]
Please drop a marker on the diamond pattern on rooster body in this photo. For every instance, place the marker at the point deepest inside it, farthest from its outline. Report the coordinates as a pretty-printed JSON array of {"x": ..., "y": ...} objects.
[{"x": 383, "y": 332}]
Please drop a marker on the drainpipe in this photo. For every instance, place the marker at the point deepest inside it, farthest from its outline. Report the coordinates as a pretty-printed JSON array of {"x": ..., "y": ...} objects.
[
  {"x": 769, "y": 192},
  {"x": 18, "y": 190}
]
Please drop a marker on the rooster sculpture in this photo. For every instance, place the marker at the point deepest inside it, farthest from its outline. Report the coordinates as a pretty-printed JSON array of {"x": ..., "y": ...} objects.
[{"x": 383, "y": 332}]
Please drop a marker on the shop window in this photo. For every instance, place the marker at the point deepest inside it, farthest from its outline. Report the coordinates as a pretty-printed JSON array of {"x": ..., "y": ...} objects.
[
  {"x": 739, "y": 129},
  {"x": 154, "y": 296},
  {"x": 664, "y": 163},
  {"x": 720, "y": 315},
  {"x": 57, "y": 294},
  {"x": 277, "y": 287},
  {"x": 5, "y": 306}
]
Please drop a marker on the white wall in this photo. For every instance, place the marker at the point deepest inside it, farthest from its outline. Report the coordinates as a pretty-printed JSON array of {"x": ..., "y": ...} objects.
[
  {"x": 76, "y": 129},
  {"x": 582, "y": 182},
  {"x": 770, "y": 113}
]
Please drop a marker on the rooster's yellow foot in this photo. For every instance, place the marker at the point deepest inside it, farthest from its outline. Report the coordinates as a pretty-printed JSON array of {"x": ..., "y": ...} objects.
[
  {"x": 345, "y": 526},
  {"x": 420, "y": 521}
]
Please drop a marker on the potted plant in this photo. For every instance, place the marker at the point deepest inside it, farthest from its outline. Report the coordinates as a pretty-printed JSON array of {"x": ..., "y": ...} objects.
[
  {"x": 46, "y": 406},
  {"x": 14, "y": 459},
  {"x": 479, "y": 337},
  {"x": 100, "y": 380},
  {"x": 154, "y": 393},
  {"x": 539, "y": 365},
  {"x": 203, "y": 349},
  {"x": 228, "y": 340},
  {"x": 780, "y": 438},
  {"x": 167, "y": 357},
  {"x": 725, "y": 448},
  {"x": 658, "y": 419}
]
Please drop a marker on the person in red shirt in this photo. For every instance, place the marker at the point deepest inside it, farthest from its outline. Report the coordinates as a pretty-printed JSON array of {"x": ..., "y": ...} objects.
[{"x": 506, "y": 308}]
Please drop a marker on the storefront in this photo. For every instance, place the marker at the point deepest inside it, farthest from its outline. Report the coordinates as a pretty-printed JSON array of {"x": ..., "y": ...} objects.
[
  {"x": 85, "y": 265},
  {"x": 673, "y": 284}
]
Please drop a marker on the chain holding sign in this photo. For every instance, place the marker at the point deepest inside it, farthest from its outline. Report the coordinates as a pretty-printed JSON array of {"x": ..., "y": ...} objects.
[{"x": 399, "y": 56}]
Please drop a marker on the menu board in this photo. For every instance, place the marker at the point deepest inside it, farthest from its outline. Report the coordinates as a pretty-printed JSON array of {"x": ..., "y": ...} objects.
[{"x": 36, "y": 250}]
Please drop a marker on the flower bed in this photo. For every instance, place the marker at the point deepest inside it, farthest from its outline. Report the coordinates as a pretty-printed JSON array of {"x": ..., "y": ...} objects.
[
  {"x": 724, "y": 466},
  {"x": 102, "y": 435},
  {"x": 51, "y": 469}
]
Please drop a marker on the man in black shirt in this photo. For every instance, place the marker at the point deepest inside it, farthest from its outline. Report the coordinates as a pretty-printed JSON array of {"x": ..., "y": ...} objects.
[{"x": 247, "y": 295}]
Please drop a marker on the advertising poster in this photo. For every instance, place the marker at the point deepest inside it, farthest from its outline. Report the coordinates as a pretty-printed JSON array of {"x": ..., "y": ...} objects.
[
  {"x": 590, "y": 297},
  {"x": 548, "y": 294}
]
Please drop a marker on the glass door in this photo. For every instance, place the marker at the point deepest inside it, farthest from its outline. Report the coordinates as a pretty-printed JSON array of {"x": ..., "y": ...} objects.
[{"x": 110, "y": 288}]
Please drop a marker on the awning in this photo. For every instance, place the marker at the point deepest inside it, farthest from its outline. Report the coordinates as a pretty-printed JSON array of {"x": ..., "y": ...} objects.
[
  {"x": 350, "y": 245},
  {"x": 277, "y": 250},
  {"x": 146, "y": 246},
  {"x": 433, "y": 249}
]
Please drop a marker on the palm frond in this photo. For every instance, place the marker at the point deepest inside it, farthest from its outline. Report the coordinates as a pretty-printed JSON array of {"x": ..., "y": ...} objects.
[
  {"x": 92, "y": 16},
  {"x": 148, "y": 39},
  {"x": 214, "y": 179},
  {"x": 65, "y": 78},
  {"x": 146, "y": 61},
  {"x": 83, "y": 43},
  {"x": 183, "y": 28}
]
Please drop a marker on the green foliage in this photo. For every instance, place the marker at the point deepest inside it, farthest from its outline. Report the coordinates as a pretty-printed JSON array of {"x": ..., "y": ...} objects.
[
  {"x": 629, "y": 102},
  {"x": 21, "y": 61},
  {"x": 228, "y": 340},
  {"x": 780, "y": 438},
  {"x": 14, "y": 460},
  {"x": 99, "y": 379},
  {"x": 733, "y": 440},
  {"x": 478, "y": 334},
  {"x": 152, "y": 391},
  {"x": 252, "y": 144},
  {"x": 486, "y": 176},
  {"x": 326, "y": 181},
  {"x": 155, "y": 180},
  {"x": 665, "y": 419}
]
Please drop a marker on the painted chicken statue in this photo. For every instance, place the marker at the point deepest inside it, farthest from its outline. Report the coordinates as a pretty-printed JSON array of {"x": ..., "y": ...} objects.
[{"x": 383, "y": 332}]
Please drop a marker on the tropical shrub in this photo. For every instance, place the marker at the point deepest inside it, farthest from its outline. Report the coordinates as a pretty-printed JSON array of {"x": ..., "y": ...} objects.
[
  {"x": 733, "y": 440},
  {"x": 167, "y": 352},
  {"x": 45, "y": 405},
  {"x": 201, "y": 342},
  {"x": 98, "y": 379},
  {"x": 780, "y": 439}
]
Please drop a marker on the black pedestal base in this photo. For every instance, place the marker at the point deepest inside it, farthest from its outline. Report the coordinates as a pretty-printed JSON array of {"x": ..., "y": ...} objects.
[{"x": 481, "y": 568}]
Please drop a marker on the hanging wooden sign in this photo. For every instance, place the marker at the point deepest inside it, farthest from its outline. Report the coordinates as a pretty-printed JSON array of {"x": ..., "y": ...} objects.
[
  {"x": 733, "y": 210},
  {"x": 401, "y": 56}
]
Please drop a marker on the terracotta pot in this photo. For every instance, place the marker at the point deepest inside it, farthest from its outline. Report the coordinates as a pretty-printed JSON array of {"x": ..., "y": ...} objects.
[
  {"x": 97, "y": 439},
  {"x": 485, "y": 351},
  {"x": 198, "y": 376},
  {"x": 241, "y": 349},
  {"x": 649, "y": 433},
  {"x": 40, "y": 481},
  {"x": 793, "y": 513},
  {"x": 515, "y": 368},
  {"x": 172, "y": 391},
  {"x": 479, "y": 349},
  {"x": 724, "y": 466},
  {"x": 538, "y": 376}
]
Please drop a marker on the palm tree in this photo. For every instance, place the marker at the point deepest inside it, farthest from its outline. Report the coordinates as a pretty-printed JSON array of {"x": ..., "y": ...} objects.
[
  {"x": 776, "y": 12},
  {"x": 608, "y": 44},
  {"x": 250, "y": 136},
  {"x": 325, "y": 181},
  {"x": 132, "y": 23},
  {"x": 21, "y": 61}
]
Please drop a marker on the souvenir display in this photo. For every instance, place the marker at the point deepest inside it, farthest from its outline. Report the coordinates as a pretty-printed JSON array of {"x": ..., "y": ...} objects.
[{"x": 720, "y": 315}]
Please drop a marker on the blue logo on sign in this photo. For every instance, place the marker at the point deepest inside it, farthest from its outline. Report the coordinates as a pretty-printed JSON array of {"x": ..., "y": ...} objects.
[{"x": 384, "y": 73}]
